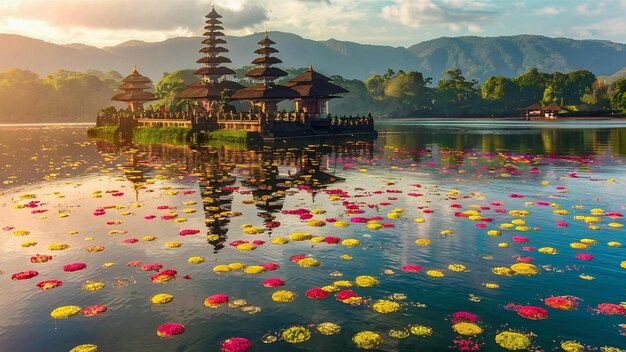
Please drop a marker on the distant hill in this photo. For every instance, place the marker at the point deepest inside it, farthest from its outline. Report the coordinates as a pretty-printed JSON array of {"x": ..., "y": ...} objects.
[
  {"x": 477, "y": 57},
  {"x": 617, "y": 75}
]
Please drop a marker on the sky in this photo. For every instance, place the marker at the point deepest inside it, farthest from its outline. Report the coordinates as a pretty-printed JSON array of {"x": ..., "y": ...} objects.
[{"x": 389, "y": 22}]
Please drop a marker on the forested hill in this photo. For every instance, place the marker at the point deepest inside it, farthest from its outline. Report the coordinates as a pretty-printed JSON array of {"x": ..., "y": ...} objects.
[{"x": 478, "y": 57}]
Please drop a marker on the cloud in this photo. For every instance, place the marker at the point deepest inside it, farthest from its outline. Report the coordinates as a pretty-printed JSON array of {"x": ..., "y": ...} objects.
[
  {"x": 452, "y": 13},
  {"x": 548, "y": 11},
  {"x": 586, "y": 9},
  {"x": 131, "y": 15},
  {"x": 613, "y": 27}
]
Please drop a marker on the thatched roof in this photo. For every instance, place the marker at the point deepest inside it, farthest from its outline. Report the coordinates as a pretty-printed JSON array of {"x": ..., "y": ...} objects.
[
  {"x": 134, "y": 95},
  {"x": 201, "y": 90},
  {"x": 318, "y": 90},
  {"x": 263, "y": 72},
  {"x": 214, "y": 71},
  {"x": 552, "y": 107},
  {"x": 534, "y": 106},
  {"x": 263, "y": 92},
  {"x": 136, "y": 77}
]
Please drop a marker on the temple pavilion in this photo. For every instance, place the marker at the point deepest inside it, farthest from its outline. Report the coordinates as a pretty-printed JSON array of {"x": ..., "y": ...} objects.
[
  {"x": 211, "y": 86},
  {"x": 266, "y": 95},
  {"x": 134, "y": 86},
  {"x": 315, "y": 92}
]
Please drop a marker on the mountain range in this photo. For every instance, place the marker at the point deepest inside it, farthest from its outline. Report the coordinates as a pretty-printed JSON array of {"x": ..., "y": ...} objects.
[{"x": 478, "y": 57}]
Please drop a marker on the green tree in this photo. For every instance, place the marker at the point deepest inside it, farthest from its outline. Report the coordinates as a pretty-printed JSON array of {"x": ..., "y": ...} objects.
[
  {"x": 532, "y": 85},
  {"x": 357, "y": 101},
  {"x": 168, "y": 88},
  {"x": 502, "y": 95},
  {"x": 618, "y": 95},
  {"x": 456, "y": 95},
  {"x": 411, "y": 90},
  {"x": 376, "y": 87}
]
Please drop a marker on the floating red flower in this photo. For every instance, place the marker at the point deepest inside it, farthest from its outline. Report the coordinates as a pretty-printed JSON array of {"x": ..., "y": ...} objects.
[
  {"x": 215, "y": 300},
  {"x": 236, "y": 344},
  {"x": 273, "y": 282},
  {"x": 316, "y": 293},
  {"x": 411, "y": 268},
  {"x": 170, "y": 329},
  {"x": 48, "y": 284},
  {"x": 270, "y": 266},
  {"x": 345, "y": 294},
  {"x": 93, "y": 310},
  {"x": 23, "y": 275},
  {"x": 74, "y": 267},
  {"x": 40, "y": 258}
]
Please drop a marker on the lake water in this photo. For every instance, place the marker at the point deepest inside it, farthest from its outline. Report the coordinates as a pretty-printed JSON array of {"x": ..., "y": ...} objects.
[{"x": 463, "y": 180}]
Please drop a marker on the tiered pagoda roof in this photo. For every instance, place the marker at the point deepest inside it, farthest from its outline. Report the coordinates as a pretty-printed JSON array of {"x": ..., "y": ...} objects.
[
  {"x": 211, "y": 85},
  {"x": 133, "y": 86},
  {"x": 312, "y": 84},
  {"x": 267, "y": 89}
]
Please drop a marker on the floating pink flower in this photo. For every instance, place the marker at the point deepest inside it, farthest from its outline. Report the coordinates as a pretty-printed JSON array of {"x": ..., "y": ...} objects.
[
  {"x": 521, "y": 259},
  {"x": 584, "y": 256},
  {"x": 151, "y": 267},
  {"x": 187, "y": 232},
  {"x": 610, "y": 309},
  {"x": 529, "y": 249},
  {"x": 345, "y": 294},
  {"x": 164, "y": 276},
  {"x": 23, "y": 275},
  {"x": 562, "y": 302},
  {"x": 99, "y": 212},
  {"x": 134, "y": 263},
  {"x": 149, "y": 217},
  {"x": 130, "y": 240},
  {"x": 270, "y": 266},
  {"x": 515, "y": 195},
  {"x": 466, "y": 345},
  {"x": 170, "y": 329},
  {"x": 331, "y": 239},
  {"x": 258, "y": 242},
  {"x": 272, "y": 224},
  {"x": 528, "y": 312},
  {"x": 40, "y": 258},
  {"x": 273, "y": 282},
  {"x": 215, "y": 300},
  {"x": 297, "y": 257},
  {"x": 520, "y": 239},
  {"x": 163, "y": 207},
  {"x": 236, "y": 344},
  {"x": 465, "y": 317},
  {"x": 411, "y": 268},
  {"x": 48, "y": 284},
  {"x": 74, "y": 267},
  {"x": 480, "y": 225},
  {"x": 562, "y": 224},
  {"x": 168, "y": 216},
  {"x": 237, "y": 242},
  {"x": 316, "y": 293},
  {"x": 93, "y": 310}
]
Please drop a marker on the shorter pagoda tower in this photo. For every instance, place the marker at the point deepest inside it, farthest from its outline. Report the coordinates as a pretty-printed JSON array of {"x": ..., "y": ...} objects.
[
  {"x": 211, "y": 86},
  {"x": 266, "y": 95},
  {"x": 315, "y": 92},
  {"x": 134, "y": 86}
]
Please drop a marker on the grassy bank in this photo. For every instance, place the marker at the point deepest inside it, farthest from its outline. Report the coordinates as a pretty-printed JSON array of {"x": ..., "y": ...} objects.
[
  {"x": 169, "y": 135},
  {"x": 105, "y": 133},
  {"x": 237, "y": 136}
]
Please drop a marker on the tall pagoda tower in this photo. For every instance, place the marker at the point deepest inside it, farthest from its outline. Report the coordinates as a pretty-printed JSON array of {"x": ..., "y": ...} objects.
[
  {"x": 266, "y": 95},
  {"x": 134, "y": 95},
  {"x": 315, "y": 91},
  {"x": 211, "y": 85}
]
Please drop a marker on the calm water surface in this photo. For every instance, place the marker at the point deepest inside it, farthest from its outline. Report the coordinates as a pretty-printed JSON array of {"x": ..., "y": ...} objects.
[{"x": 431, "y": 170}]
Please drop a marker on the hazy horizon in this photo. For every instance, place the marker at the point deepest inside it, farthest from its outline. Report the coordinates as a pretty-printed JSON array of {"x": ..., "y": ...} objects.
[{"x": 102, "y": 23}]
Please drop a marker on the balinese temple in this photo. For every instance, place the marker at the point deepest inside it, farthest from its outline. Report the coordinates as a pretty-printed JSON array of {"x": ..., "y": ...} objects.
[
  {"x": 134, "y": 86},
  {"x": 266, "y": 95},
  {"x": 210, "y": 87},
  {"x": 315, "y": 92}
]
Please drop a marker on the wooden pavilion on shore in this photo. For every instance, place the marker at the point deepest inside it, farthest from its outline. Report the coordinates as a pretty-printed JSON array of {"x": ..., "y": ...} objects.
[{"x": 537, "y": 112}]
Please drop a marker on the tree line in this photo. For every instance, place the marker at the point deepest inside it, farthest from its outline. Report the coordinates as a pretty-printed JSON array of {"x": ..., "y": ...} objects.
[{"x": 78, "y": 96}]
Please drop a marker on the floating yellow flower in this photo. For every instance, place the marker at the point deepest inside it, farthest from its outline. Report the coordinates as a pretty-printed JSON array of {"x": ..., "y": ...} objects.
[
  {"x": 398, "y": 334},
  {"x": 506, "y": 226},
  {"x": 588, "y": 241},
  {"x": 221, "y": 268},
  {"x": 235, "y": 266},
  {"x": 586, "y": 277},
  {"x": 85, "y": 348},
  {"x": 21, "y": 233},
  {"x": 521, "y": 213},
  {"x": 518, "y": 222},
  {"x": 421, "y": 330},
  {"x": 614, "y": 244},
  {"x": 173, "y": 244},
  {"x": 491, "y": 285},
  {"x": 330, "y": 288},
  {"x": 341, "y": 224},
  {"x": 195, "y": 260},
  {"x": 494, "y": 233},
  {"x": 254, "y": 269},
  {"x": 374, "y": 226},
  {"x": 161, "y": 298},
  {"x": 280, "y": 240},
  {"x": 578, "y": 245},
  {"x": 385, "y": 306},
  {"x": 149, "y": 238},
  {"x": 317, "y": 239},
  {"x": 459, "y": 268},
  {"x": 246, "y": 247},
  {"x": 212, "y": 237},
  {"x": 308, "y": 262},
  {"x": 572, "y": 346},
  {"x": 393, "y": 215},
  {"x": 300, "y": 236},
  {"x": 58, "y": 246},
  {"x": 504, "y": 271},
  {"x": 548, "y": 250},
  {"x": 328, "y": 328},
  {"x": 108, "y": 265},
  {"x": 283, "y": 296},
  {"x": 423, "y": 241},
  {"x": 296, "y": 334},
  {"x": 316, "y": 223},
  {"x": 561, "y": 212},
  {"x": 446, "y": 232},
  {"x": 513, "y": 340},
  {"x": 366, "y": 281},
  {"x": 92, "y": 285},
  {"x": 367, "y": 340},
  {"x": 469, "y": 329},
  {"x": 189, "y": 210},
  {"x": 64, "y": 312},
  {"x": 503, "y": 245},
  {"x": 419, "y": 220},
  {"x": 29, "y": 244},
  {"x": 342, "y": 283},
  {"x": 525, "y": 269},
  {"x": 345, "y": 257},
  {"x": 351, "y": 242},
  {"x": 252, "y": 230},
  {"x": 522, "y": 228},
  {"x": 435, "y": 273},
  {"x": 616, "y": 225},
  {"x": 623, "y": 264}
]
